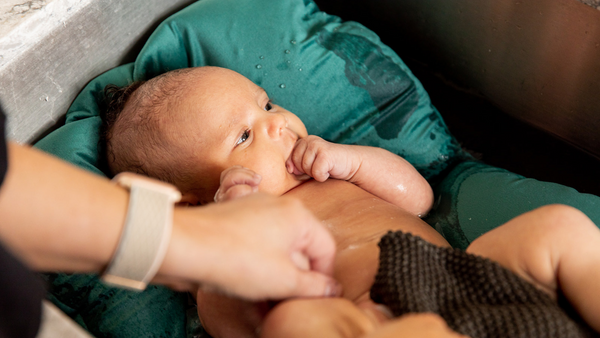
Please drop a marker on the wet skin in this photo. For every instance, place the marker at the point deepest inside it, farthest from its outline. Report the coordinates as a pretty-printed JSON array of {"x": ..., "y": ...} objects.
[{"x": 357, "y": 220}]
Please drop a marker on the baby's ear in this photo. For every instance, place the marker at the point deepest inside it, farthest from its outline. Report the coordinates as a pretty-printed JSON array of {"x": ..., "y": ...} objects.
[{"x": 188, "y": 199}]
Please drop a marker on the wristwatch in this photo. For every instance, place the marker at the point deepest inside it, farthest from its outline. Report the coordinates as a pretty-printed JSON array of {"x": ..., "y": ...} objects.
[{"x": 146, "y": 234}]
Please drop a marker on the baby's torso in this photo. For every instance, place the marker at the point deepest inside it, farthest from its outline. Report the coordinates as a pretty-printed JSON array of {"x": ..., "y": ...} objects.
[{"x": 357, "y": 220}]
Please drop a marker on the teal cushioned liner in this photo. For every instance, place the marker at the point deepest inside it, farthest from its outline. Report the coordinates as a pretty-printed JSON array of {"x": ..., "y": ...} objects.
[
  {"x": 475, "y": 198},
  {"x": 112, "y": 312},
  {"x": 337, "y": 77}
]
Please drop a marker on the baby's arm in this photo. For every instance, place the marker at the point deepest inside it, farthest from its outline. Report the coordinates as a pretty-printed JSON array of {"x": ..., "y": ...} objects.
[{"x": 376, "y": 170}]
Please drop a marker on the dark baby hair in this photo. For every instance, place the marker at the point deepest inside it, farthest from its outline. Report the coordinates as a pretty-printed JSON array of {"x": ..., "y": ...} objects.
[{"x": 114, "y": 101}]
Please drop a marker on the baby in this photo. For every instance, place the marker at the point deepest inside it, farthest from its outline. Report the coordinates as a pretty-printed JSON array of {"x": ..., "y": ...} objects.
[{"x": 217, "y": 136}]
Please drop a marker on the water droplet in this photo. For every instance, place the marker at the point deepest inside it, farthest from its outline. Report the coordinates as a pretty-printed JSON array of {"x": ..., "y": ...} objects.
[
  {"x": 287, "y": 51},
  {"x": 288, "y": 61},
  {"x": 299, "y": 69},
  {"x": 258, "y": 66},
  {"x": 282, "y": 86},
  {"x": 265, "y": 74},
  {"x": 261, "y": 57},
  {"x": 293, "y": 42}
]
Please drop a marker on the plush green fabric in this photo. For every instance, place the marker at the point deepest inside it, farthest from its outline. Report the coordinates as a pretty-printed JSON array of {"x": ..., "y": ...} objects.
[
  {"x": 339, "y": 79},
  {"x": 475, "y": 198}
]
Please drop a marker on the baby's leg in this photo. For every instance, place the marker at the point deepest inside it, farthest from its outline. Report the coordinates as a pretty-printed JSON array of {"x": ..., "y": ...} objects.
[
  {"x": 227, "y": 317},
  {"x": 553, "y": 247},
  {"x": 415, "y": 325},
  {"x": 317, "y": 317}
]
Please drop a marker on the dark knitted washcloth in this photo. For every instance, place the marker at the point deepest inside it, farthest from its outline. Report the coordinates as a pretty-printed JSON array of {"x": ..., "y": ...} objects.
[{"x": 476, "y": 297}]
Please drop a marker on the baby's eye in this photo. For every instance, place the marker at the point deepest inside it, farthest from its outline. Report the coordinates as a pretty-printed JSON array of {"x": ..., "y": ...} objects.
[
  {"x": 268, "y": 106},
  {"x": 243, "y": 138}
]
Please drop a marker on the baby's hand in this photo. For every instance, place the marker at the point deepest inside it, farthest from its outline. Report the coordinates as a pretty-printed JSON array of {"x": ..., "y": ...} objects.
[
  {"x": 237, "y": 182},
  {"x": 321, "y": 159}
]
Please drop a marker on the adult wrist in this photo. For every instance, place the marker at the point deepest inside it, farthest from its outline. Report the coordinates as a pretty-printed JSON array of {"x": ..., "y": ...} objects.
[
  {"x": 185, "y": 263},
  {"x": 146, "y": 233}
]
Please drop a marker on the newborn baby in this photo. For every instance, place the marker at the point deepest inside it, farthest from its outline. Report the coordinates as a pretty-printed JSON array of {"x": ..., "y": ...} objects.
[{"x": 216, "y": 136}]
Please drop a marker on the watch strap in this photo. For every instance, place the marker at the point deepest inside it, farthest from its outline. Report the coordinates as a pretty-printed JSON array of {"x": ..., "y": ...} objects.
[{"x": 146, "y": 234}]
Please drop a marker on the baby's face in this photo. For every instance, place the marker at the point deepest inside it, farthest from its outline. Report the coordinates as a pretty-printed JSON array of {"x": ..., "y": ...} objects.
[{"x": 226, "y": 120}]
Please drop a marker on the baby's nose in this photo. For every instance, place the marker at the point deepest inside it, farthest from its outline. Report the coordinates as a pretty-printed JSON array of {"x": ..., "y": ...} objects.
[{"x": 276, "y": 124}]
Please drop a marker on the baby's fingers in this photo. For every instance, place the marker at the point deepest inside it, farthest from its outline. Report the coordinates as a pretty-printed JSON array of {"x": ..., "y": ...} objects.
[
  {"x": 294, "y": 163},
  {"x": 320, "y": 167},
  {"x": 234, "y": 177},
  {"x": 239, "y": 175},
  {"x": 315, "y": 161},
  {"x": 309, "y": 156}
]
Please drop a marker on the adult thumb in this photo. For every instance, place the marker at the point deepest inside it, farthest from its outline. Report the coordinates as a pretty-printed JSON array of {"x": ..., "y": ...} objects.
[{"x": 315, "y": 284}]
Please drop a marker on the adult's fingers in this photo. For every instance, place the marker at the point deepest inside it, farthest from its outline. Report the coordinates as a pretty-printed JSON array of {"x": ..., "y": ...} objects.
[
  {"x": 319, "y": 247},
  {"x": 314, "y": 284}
]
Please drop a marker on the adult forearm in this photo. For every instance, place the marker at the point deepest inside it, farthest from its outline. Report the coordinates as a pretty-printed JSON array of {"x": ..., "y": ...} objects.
[{"x": 56, "y": 216}]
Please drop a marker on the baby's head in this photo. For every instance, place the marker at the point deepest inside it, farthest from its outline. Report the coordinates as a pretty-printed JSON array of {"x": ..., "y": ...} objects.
[{"x": 186, "y": 126}]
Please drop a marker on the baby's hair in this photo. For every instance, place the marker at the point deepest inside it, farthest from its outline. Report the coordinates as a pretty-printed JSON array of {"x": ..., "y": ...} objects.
[
  {"x": 115, "y": 99},
  {"x": 134, "y": 115}
]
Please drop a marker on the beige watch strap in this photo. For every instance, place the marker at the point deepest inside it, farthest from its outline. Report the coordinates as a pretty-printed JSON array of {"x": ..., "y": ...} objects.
[{"x": 146, "y": 233}]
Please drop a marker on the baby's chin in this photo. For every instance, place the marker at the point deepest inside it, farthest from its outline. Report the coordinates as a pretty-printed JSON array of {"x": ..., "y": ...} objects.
[{"x": 297, "y": 180}]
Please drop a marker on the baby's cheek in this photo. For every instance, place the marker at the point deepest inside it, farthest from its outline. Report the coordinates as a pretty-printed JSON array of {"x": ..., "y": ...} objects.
[
  {"x": 278, "y": 184},
  {"x": 296, "y": 125}
]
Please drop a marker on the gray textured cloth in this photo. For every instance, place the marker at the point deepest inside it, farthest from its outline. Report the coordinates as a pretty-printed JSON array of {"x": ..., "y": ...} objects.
[
  {"x": 476, "y": 297},
  {"x": 593, "y": 3}
]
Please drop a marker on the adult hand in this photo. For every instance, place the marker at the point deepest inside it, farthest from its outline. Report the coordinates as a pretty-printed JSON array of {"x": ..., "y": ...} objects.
[{"x": 257, "y": 247}]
